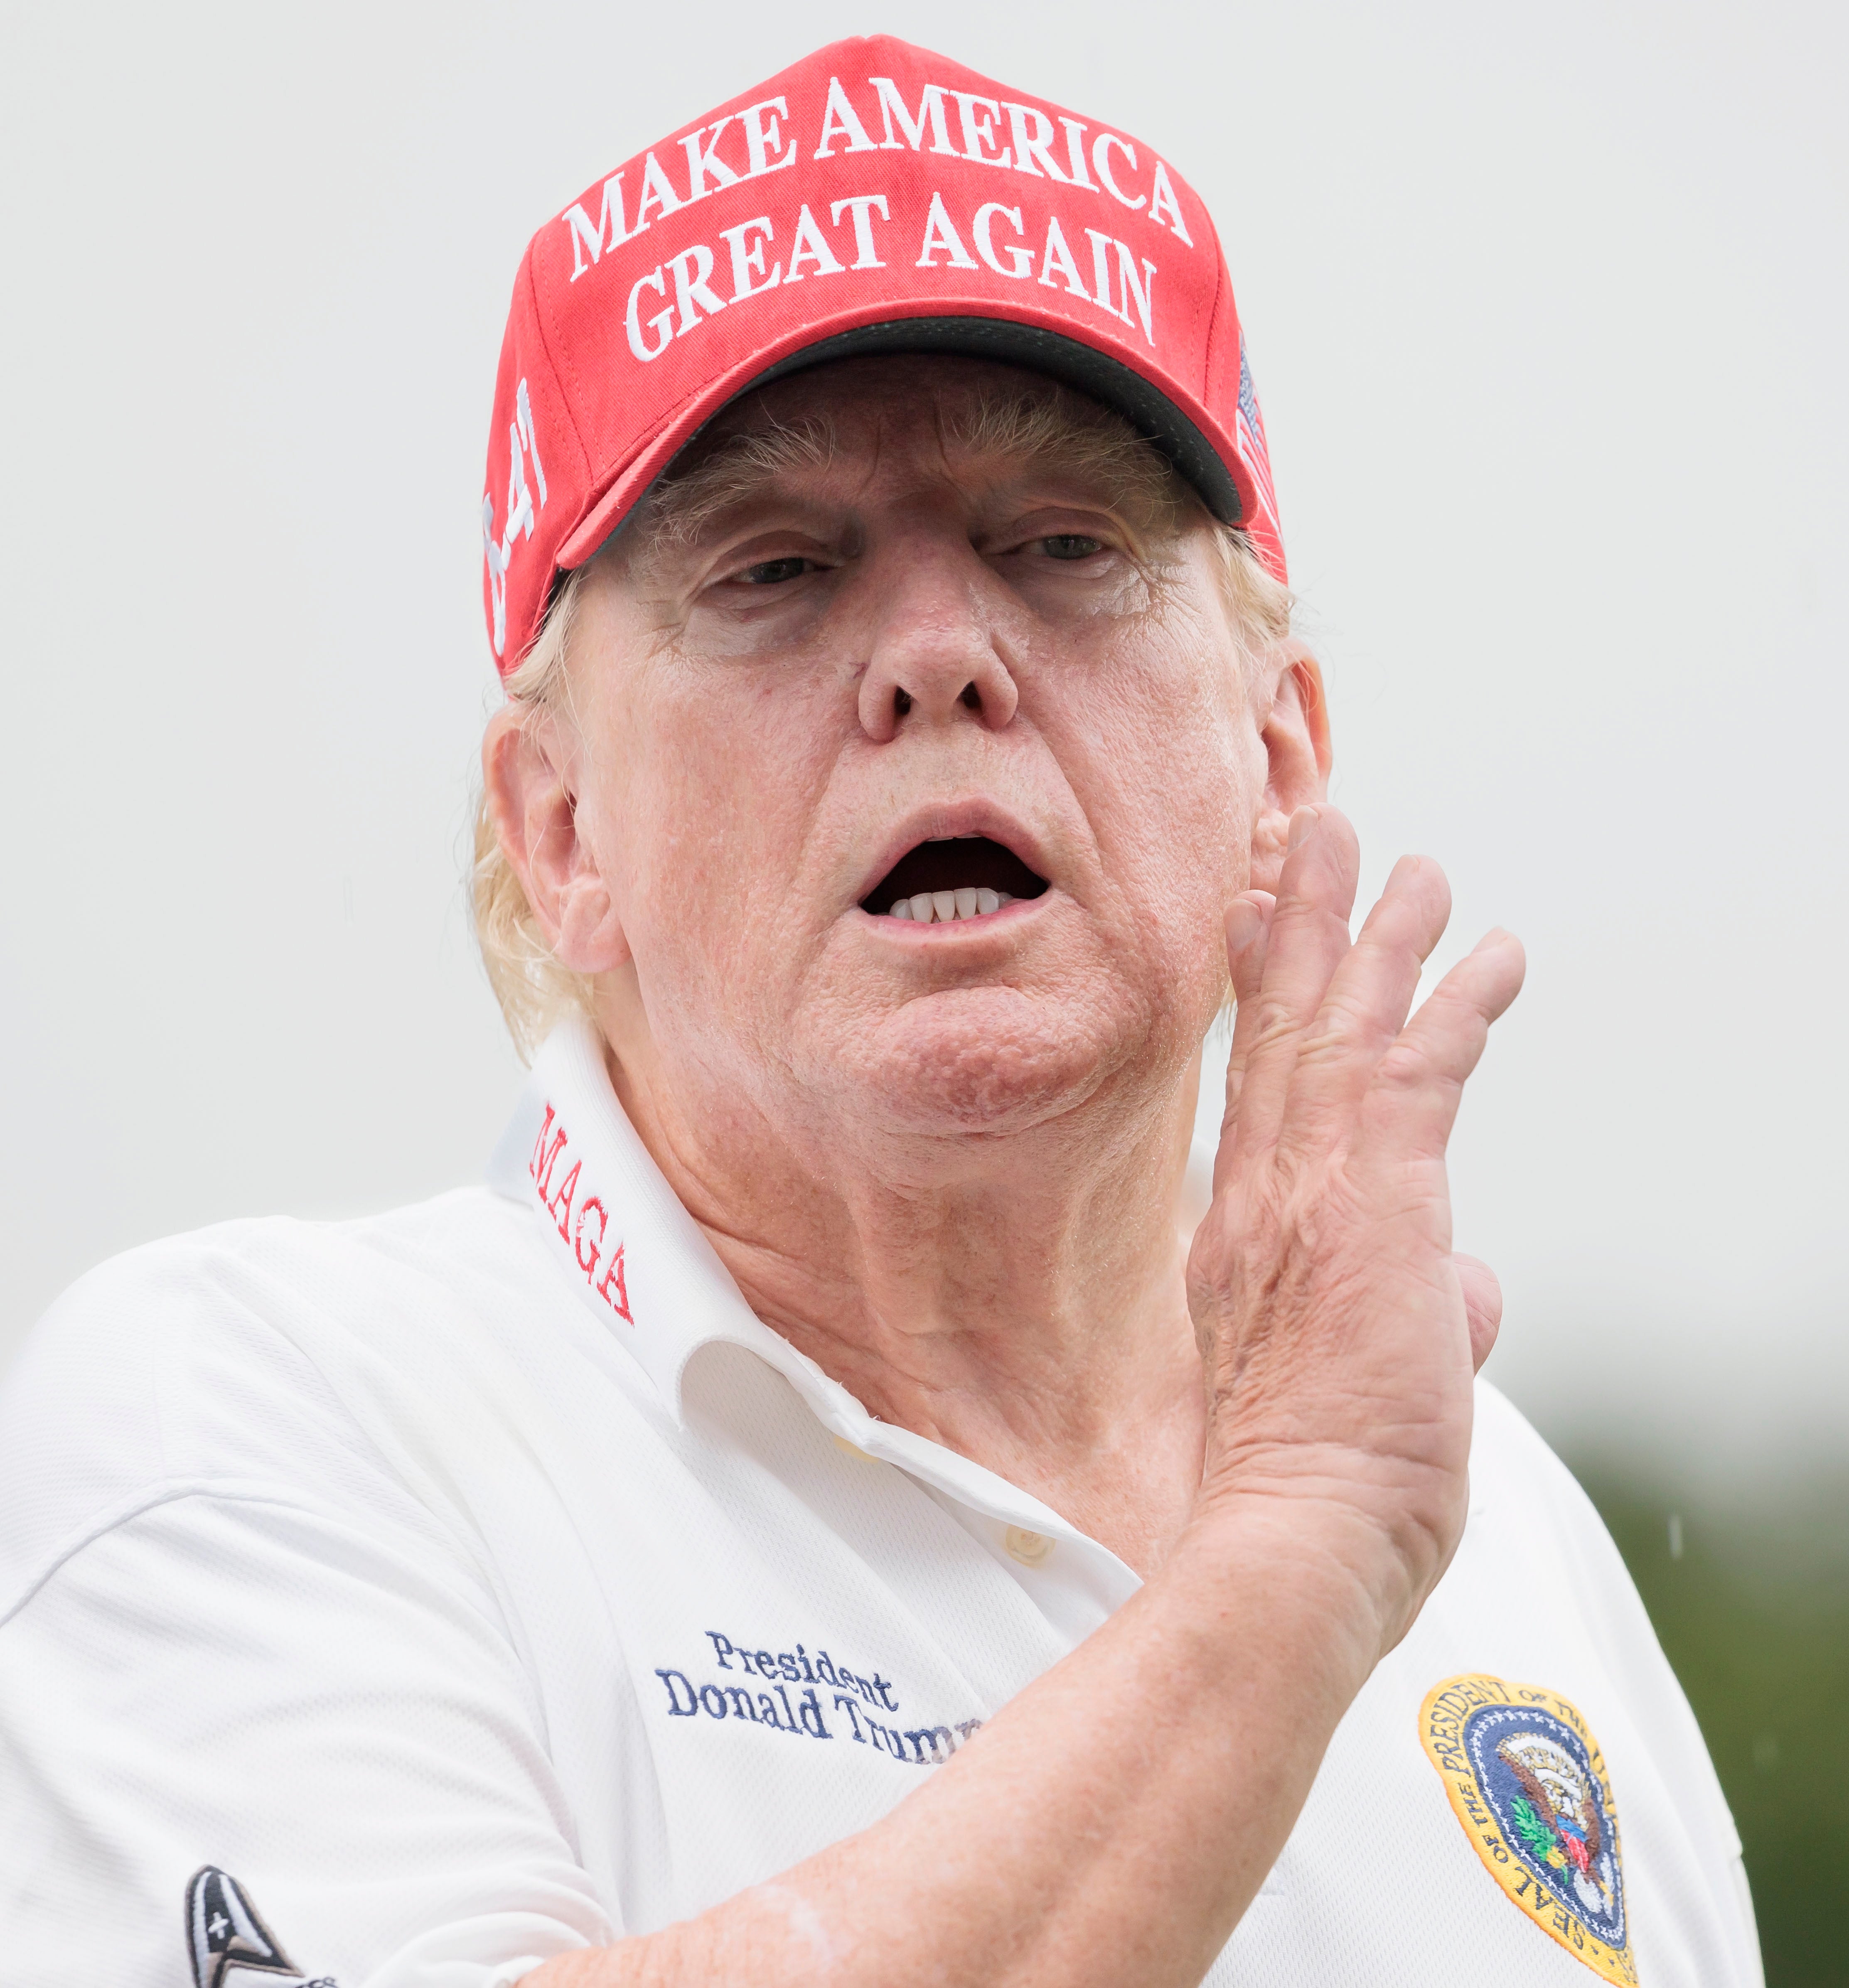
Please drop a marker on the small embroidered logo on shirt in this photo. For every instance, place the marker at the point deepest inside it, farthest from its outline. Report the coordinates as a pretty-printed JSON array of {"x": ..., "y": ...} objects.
[
  {"x": 1527, "y": 1781},
  {"x": 226, "y": 1936}
]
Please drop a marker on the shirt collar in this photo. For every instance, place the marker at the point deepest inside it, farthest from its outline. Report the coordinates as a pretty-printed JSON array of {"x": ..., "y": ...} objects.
[{"x": 644, "y": 1267}]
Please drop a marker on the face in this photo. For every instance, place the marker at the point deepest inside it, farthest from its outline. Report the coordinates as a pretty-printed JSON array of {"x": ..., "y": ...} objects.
[{"x": 911, "y": 775}]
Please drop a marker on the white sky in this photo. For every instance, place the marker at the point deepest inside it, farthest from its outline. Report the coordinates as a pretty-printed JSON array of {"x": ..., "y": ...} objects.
[{"x": 1547, "y": 310}]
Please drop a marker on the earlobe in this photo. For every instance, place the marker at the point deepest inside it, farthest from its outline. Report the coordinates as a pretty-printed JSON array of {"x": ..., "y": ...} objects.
[
  {"x": 1297, "y": 756},
  {"x": 536, "y": 817}
]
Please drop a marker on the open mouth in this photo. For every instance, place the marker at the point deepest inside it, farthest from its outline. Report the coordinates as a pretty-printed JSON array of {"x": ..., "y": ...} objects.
[{"x": 963, "y": 877}]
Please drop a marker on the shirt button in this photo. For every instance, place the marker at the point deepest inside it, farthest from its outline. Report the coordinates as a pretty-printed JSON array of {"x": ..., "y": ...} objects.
[{"x": 1030, "y": 1549}]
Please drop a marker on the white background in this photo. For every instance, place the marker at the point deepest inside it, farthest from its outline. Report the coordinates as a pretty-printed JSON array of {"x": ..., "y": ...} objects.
[{"x": 1547, "y": 310}]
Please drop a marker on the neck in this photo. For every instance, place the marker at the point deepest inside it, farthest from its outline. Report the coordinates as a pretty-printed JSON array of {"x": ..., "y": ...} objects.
[{"x": 1018, "y": 1299}]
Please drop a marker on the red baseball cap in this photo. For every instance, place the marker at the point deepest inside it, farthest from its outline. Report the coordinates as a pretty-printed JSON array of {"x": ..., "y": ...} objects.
[{"x": 873, "y": 197}]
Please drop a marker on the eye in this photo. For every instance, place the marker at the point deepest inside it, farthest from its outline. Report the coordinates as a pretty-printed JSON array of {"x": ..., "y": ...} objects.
[
  {"x": 773, "y": 573},
  {"x": 1071, "y": 546}
]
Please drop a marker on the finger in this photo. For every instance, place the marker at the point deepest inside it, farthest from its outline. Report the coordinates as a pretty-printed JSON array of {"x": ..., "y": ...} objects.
[
  {"x": 1366, "y": 1006},
  {"x": 1248, "y": 932},
  {"x": 1248, "y": 927},
  {"x": 1308, "y": 940},
  {"x": 1482, "y": 1305},
  {"x": 1413, "y": 1096}
]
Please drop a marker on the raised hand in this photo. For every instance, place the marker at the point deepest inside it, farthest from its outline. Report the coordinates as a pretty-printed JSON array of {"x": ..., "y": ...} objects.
[{"x": 1339, "y": 1332}]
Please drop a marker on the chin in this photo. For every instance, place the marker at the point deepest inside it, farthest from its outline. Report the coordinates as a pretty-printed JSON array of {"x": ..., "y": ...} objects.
[{"x": 977, "y": 1060}]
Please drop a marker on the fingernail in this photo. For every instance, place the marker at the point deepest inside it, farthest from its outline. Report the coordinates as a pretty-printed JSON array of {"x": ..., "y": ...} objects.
[
  {"x": 1244, "y": 922},
  {"x": 1303, "y": 826}
]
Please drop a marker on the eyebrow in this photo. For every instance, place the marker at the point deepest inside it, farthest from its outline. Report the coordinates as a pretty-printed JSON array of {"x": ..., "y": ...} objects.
[
  {"x": 741, "y": 467},
  {"x": 1053, "y": 427}
]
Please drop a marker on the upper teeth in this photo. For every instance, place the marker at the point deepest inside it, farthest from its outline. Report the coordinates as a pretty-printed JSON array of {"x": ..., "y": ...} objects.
[{"x": 945, "y": 907}]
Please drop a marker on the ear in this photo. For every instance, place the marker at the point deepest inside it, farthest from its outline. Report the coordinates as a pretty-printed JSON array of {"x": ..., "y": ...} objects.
[
  {"x": 529, "y": 776},
  {"x": 1296, "y": 736}
]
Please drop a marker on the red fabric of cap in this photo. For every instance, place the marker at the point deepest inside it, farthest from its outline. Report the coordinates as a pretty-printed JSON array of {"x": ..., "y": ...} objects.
[{"x": 874, "y": 197}]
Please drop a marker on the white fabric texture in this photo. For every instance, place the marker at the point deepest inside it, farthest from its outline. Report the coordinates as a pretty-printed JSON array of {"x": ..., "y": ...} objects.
[{"x": 379, "y": 1564}]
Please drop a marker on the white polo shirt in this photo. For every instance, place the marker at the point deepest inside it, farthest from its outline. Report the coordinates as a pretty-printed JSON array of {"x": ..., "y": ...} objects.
[{"x": 461, "y": 1587}]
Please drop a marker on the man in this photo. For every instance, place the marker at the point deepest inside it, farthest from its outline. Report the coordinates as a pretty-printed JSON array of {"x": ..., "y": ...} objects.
[{"x": 815, "y": 1516}]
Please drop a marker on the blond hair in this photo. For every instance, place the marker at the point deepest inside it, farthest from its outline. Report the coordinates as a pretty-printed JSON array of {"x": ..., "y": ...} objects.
[{"x": 535, "y": 991}]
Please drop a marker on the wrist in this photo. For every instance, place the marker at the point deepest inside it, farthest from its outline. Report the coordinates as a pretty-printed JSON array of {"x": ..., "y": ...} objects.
[{"x": 1311, "y": 1554}]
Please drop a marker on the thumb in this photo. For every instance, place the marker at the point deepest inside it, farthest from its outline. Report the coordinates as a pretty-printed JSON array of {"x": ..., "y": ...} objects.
[{"x": 1482, "y": 1305}]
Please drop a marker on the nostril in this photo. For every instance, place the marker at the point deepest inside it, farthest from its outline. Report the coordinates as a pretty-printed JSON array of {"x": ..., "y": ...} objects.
[
  {"x": 971, "y": 699},
  {"x": 901, "y": 702}
]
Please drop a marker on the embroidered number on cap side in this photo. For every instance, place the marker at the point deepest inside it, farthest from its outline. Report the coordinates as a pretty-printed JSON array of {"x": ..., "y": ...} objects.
[{"x": 523, "y": 446}]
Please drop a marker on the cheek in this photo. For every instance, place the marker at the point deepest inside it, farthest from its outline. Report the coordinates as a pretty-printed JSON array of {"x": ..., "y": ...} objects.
[
  {"x": 716, "y": 776},
  {"x": 1166, "y": 783}
]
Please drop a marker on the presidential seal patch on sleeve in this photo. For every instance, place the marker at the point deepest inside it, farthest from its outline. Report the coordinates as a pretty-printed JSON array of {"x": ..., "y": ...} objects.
[{"x": 1527, "y": 1781}]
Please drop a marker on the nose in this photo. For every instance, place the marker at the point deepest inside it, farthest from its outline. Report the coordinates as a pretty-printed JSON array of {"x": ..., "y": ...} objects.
[{"x": 934, "y": 658}]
